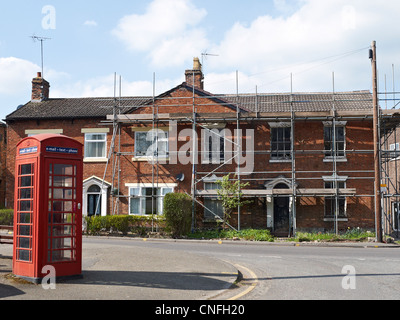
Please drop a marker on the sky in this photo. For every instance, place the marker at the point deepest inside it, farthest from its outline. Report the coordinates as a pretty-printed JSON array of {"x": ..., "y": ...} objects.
[{"x": 274, "y": 46}]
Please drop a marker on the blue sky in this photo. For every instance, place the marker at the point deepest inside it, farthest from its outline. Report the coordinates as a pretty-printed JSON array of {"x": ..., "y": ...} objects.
[{"x": 265, "y": 41}]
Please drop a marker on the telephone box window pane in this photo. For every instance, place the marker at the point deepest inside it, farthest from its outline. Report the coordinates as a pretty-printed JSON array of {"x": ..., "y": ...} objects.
[
  {"x": 60, "y": 231},
  {"x": 26, "y": 181},
  {"x": 67, "y": 243},
  {"x": 24, "y": 230},
  {"x": 25, "y": 206},
  {"x": 62, "y": 206},
  {"x": 24, "y": 243},
  {"x": 62, "y": 194},
  {"x": 62, "y": 181},
  {"x": 63, "y": 170},
  {"x": 61, "y": 255},
  {"x": 62, "y": 218},
  {"x": 25, "y": 193},
  {"x": 24, "y": 255},
  {"x": 25, "y": 217},
  {"x": 26, "y": 169}
]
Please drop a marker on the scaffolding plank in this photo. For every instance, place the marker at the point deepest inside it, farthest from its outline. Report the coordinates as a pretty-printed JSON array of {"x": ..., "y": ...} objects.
[
  {"x": 288, "y": 192},
  {"x": 138, "y": 117}
]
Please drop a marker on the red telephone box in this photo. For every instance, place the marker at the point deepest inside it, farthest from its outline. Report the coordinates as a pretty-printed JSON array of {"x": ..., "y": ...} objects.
[{"x": 47, "y": 207}]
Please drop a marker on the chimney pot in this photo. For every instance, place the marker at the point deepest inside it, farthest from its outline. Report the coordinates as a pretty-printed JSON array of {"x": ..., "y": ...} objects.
[
  {"x": 198, "y": 80},
  {"x": 39, "y": 74}
]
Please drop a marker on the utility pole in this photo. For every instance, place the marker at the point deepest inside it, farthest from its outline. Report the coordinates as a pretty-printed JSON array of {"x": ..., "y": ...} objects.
[{"x": 378, "y": 209}]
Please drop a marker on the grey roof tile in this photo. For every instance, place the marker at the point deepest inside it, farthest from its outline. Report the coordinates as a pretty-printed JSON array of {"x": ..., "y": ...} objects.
[{"x": 73, "y": 108}]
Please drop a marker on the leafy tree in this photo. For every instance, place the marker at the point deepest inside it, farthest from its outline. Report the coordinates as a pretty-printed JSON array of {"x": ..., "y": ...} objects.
[{"x": 231, "y": 196}]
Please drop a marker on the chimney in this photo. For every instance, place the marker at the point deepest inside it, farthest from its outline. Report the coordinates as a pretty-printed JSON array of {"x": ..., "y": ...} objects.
[
  {"x": 40, "y": 89},
  {"x": 198, "y": 75}
]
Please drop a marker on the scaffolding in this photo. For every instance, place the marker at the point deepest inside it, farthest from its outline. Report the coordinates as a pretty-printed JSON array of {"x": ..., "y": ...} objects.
[{"x": 244, "y": 110}]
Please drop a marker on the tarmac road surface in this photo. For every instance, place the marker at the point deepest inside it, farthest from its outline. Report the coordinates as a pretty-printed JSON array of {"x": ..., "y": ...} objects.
[{"x": 114, "y": 271}]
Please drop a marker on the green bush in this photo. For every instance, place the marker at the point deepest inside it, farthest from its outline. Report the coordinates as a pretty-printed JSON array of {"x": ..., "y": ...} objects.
[
  {"x": 122, "y": 223},
  {"x": 6, "y": 217},
  {"x": 247, "y": 234},
  {"x": 355, "y": 234},
  {"x": 119, "y": 223},
  {"x": 178, "y": 213}
]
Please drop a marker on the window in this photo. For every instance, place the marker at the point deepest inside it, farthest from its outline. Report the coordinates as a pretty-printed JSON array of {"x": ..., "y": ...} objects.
[
  {"x": 146, "y": 201},
  {"x": 214, "y": 146},
  {"x": 394, "y": 147},
  {"x": 95, "y": 145},
  {"x": 213, "y": 206},
  {"x": 332, "y": 149},
  {"x": 330, "y": 202},
  {"x": 281, "y": 144},
  {"x": 153, "y": 143}
]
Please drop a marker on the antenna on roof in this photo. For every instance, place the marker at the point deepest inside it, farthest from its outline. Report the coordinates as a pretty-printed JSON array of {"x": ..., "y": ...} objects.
[
  {"x": 205, "y": 54},
  {"x": 41, "y": 39}
]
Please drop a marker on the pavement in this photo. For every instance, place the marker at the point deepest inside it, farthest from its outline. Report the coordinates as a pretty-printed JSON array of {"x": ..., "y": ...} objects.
[{"x": 114, "y": 271}]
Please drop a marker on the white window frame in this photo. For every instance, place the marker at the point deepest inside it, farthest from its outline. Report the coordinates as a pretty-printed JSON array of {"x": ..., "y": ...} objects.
[
  {"x": 103, "y": 157},
  {"x": 213, "y": 135},
  {"x": 137, "y": 191},
  {"x": 338, "y": 180},
  {"x": 210, "y": 184},
  {"x": 153, "y": 144},
  {"x": 279, "y": 125},
  {"x": 394, "y": 147},
  {"x": 330, "y": 158}
]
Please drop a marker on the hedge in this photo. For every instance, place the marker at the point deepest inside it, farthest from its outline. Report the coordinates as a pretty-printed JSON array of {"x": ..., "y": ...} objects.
[
  {"x": 122, "y": 224},
  {"x": 6, "y": 217}
]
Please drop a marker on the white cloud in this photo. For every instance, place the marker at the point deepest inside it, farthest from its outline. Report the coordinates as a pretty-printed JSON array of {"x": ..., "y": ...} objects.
[
  {"x": 167, "y": 31},
  {"x": 271, "y": 48},
  {"x": 16, "y": 74},
  {"x": 90, "y": 23},
  {"x": 104, "y": 87}
]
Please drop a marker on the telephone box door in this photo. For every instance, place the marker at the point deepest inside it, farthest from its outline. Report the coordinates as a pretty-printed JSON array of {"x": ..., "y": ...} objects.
[{"x": 64, "y": 229}]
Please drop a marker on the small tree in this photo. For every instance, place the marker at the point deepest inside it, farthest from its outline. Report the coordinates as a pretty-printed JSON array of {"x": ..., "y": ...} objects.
[{"x": 231, "y": 196}]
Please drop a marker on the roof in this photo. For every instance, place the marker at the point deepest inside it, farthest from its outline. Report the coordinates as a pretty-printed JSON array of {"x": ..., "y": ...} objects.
[
  {"x": 80, "y": 108},
  {"x": 73, "y": 108},
  {"x": 304, "y": 102}
]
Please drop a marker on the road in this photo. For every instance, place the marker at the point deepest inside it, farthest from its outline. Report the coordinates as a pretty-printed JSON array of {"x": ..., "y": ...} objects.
[
  {"x": 274, "y": 272},
  {"x": 134, "y": 269}
]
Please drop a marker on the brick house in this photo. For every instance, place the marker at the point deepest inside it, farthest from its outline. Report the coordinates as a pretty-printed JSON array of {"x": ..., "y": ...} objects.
[
  {"x": 3, "y": 152},
  {"x": 307, "y": 157}
]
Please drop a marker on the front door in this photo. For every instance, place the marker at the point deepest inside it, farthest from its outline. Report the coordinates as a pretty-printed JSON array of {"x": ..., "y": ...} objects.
[
  {"x": 281, "y": 213},
  {"x": 93, "y": 204},
  {"x": 64, "y": 218}
]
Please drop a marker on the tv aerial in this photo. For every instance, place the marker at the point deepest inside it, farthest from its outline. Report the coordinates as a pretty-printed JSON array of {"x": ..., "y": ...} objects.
[{"x": 41, "y": 40}]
